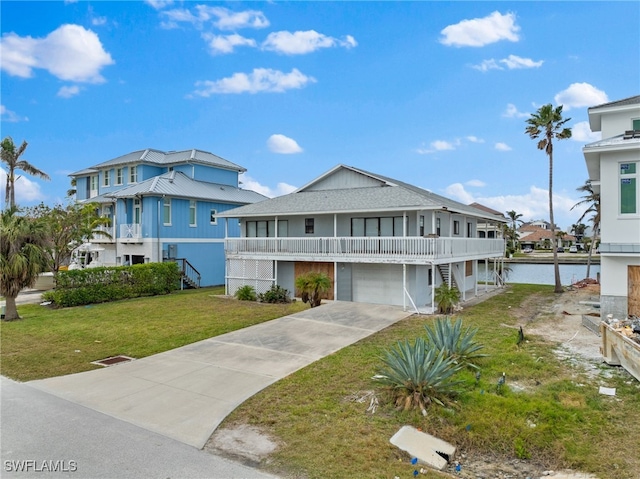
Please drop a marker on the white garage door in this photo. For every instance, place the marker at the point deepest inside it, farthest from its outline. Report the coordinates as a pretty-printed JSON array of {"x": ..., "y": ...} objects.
[{"x": 377, "y": 283}]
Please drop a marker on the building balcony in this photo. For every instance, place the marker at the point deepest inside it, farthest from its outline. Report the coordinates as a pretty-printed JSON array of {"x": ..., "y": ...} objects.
[
  {"x": 130, "y": 233},
  {"x": 407, "y": 250},
  {"x": 104, "y": 234}
]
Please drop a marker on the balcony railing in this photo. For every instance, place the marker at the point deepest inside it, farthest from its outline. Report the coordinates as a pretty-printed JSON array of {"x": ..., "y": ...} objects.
[
  {"x": 130, "y": 232},
  {"x": 367, "y": 249},
  {"x": 104, "y": 234}
]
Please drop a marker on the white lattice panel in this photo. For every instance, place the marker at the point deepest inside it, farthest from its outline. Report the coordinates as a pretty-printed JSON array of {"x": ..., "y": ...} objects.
[{"x": 256, "y": 273}]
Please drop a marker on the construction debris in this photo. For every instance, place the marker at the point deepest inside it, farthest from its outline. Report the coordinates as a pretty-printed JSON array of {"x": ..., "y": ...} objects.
[{"x": 428, "y": 449}]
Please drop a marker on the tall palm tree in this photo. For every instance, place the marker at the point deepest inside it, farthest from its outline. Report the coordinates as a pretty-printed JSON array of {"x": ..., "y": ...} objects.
[
  {"x": 10, "y": 156},
  {"x": 22, "y": 256},
  {"x": 515, "y": 219},
  {"x": 546, "y": 125},
  {"x": 592, "y": 200}
]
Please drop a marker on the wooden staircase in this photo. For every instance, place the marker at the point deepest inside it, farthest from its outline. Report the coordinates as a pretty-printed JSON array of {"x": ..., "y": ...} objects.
[
  {"x": 445, "y": 272},
  {"x": 189, "y": 275}
]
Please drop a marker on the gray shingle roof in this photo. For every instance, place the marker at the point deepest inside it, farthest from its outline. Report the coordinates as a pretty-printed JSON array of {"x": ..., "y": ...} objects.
[
  {"x": 177, "y": 184},
  {"x": 158, "y": 157},
  {"x": 632, "y": 100},
  {"x": 396, "y": 195}
]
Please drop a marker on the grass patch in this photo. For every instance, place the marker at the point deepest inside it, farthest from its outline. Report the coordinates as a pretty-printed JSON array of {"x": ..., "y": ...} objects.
[
  {"x": 554, "y": 418},
  {"x": 53, "y": 342}
]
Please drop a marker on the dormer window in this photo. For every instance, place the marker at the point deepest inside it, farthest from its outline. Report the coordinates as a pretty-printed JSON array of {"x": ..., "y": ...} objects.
[{"x": 133, "y": 174}]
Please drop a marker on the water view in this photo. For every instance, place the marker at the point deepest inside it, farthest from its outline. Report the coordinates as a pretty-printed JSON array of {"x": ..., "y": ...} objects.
[{"x": 542, "y": 273}]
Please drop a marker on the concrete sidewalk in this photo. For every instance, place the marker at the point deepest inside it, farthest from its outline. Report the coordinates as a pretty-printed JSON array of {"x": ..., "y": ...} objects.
[{"x": 185, "y": 393}]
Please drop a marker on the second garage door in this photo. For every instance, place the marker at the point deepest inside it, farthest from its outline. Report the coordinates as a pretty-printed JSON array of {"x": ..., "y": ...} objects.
[{"x": 377, "y": 283}]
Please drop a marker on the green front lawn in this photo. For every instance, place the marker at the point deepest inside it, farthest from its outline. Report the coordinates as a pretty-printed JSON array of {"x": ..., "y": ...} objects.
[{"x": 52, "y": 342}]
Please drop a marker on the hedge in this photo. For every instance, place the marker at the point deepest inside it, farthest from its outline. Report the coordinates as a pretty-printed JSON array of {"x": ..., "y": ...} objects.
[{"x": 99, "y": 285}]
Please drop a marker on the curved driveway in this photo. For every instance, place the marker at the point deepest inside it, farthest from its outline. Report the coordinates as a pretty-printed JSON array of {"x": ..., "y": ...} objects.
[{"x": 185, "y": 393}]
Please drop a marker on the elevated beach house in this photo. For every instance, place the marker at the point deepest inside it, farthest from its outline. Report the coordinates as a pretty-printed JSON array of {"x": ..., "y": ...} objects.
[
  {"x": 613, "y": 164},
  {"x": 163, "y": 206},
  {"x": 380, "y": 240}
]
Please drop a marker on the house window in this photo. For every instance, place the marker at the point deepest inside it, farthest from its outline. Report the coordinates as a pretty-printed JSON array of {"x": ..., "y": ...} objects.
[
  {"x": 438, "y": 226},
  {"x": 212, "y": 217},
  {"x": 137, "y": 209},
  {"x": 421, "y": 225},
  {"x": 192, "y": 213},
  {"x": 308, "y": 226},
  {"x": 106, "y": 177},
  {"x": 628, "y": 188},
  {"x": 94, "y": 184},
  {"x": 636, "y": 124},
  {"x": 456, "y": 227},
  {"x": 283, "y": 229},
  {"x": 166, "y": 212},
  {"x": 469, "y": 230},
  {"x": 133, "y": 174},
  {"x": 386, "y": 226},
  {"x": 118, "y": 176},
  {"x": 266, "y": 229}
]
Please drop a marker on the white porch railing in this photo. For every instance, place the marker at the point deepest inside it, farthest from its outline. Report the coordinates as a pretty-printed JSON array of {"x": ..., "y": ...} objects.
[
  {"x": 104, "y": 234},
  {"x": 130, "y": 231},
  {"x": 368, "y": 249}
]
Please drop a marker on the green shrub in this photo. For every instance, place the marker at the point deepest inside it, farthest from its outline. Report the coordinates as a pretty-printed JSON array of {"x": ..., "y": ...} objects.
[
  {"x": 312, "y": 285},
  {"x": 99, "y": 285},
  {"x": 447, "y": 336},
  {"x": 446, "y": 298},
  {"x": 246, "y": 293},
  {"x": 275, "y": 294},
  {"x": 417, "y": 375}
]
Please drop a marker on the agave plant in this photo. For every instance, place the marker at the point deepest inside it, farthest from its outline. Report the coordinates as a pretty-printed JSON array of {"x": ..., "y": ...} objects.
[
  {"x": 458, "y": 344},
  {"x": 417, "y": 375}
]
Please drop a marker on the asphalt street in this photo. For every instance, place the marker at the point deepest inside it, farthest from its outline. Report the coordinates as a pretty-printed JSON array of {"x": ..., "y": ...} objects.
[{"x": 44, "y": 436}]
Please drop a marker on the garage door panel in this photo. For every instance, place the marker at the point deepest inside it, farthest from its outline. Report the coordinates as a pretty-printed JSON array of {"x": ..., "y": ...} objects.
[{"x": 377, "y": 283}]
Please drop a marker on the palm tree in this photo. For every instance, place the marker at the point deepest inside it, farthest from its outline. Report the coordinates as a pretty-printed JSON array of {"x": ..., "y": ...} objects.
[
  {"x": 311, "y": 287},
  {"x": 22, "y": 256},
  {"x": 515, "y": 219},
  {"x": 11, "y": 158},
  {"x": 547, "y": 125},
  {"x": 592, "y": 200},
  {"x": 578, "y": 230}
]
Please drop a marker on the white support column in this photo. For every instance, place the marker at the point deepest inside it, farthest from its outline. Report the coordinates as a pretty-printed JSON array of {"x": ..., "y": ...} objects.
[
  {"x": 335, "y": 281},
  {"x": 335, "y": 225},
  {"x": 486, "y": 274},
  {"x": 404, "y": 223},
  {"x": 404, "y": 287},
  {"x": 450, "y": 274},
  {"x": 433, "y": 222},
  {"x": 276, "y": 227},
  {"x": 433, "y": 288}
]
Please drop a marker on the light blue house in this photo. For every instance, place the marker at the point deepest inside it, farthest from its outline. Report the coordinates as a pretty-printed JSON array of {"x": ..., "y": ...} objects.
[{"x": 163, "y": 206}]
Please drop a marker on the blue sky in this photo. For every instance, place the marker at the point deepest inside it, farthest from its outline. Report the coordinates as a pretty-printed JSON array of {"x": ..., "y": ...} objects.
[{"x": 432, "y": 93}]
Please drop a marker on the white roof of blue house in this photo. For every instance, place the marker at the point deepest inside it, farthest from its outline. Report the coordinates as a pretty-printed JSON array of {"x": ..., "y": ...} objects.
[
  {"x": 168, "y": 158},
  {"x": 179, "y": 185},
  {"x": 387, "y": 195}
]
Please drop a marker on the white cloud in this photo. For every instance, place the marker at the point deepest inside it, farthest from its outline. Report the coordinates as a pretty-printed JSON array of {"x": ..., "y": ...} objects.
[
  {"x": 249, "y": 183},
  {"x": 441, "y": 145},
  {"x": 11, "y": 116},
  {"x": 476, "y": 183},
  {"x": 300, "y": 43},
  {"x": 474, "y": 139},
  {"x": 487, "y": 65},
  {"x": 512, "y": 112},
  {"x": 69, "y": 53},
  {"x": 502, "y": 146},
  {"x": 533, "y": 204},
  {"x": 159, "y": 4},
  {"x": 281, "y": 144},
  {"x": 479, "y": 32},
  {"x": 582, "y": 132},
  {"x": 222, "y": 44},
  {"x": 97, "y": 21},
  {"x": 512, "y": 62},
  {"x": 219, "y": 17},
  {"x": 260, "y": 80},
  {"x": 68, "y": 91},
  {"x": 26, "y": 190},
  {"x": 580, "y": 95}
]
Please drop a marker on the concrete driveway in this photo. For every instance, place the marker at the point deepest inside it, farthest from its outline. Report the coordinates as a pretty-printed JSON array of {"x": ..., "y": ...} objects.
[{"x": 185, "y": 393}]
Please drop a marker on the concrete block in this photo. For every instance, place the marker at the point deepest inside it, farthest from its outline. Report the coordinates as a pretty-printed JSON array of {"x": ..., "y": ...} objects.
[{"x": 429, "y": 450}]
